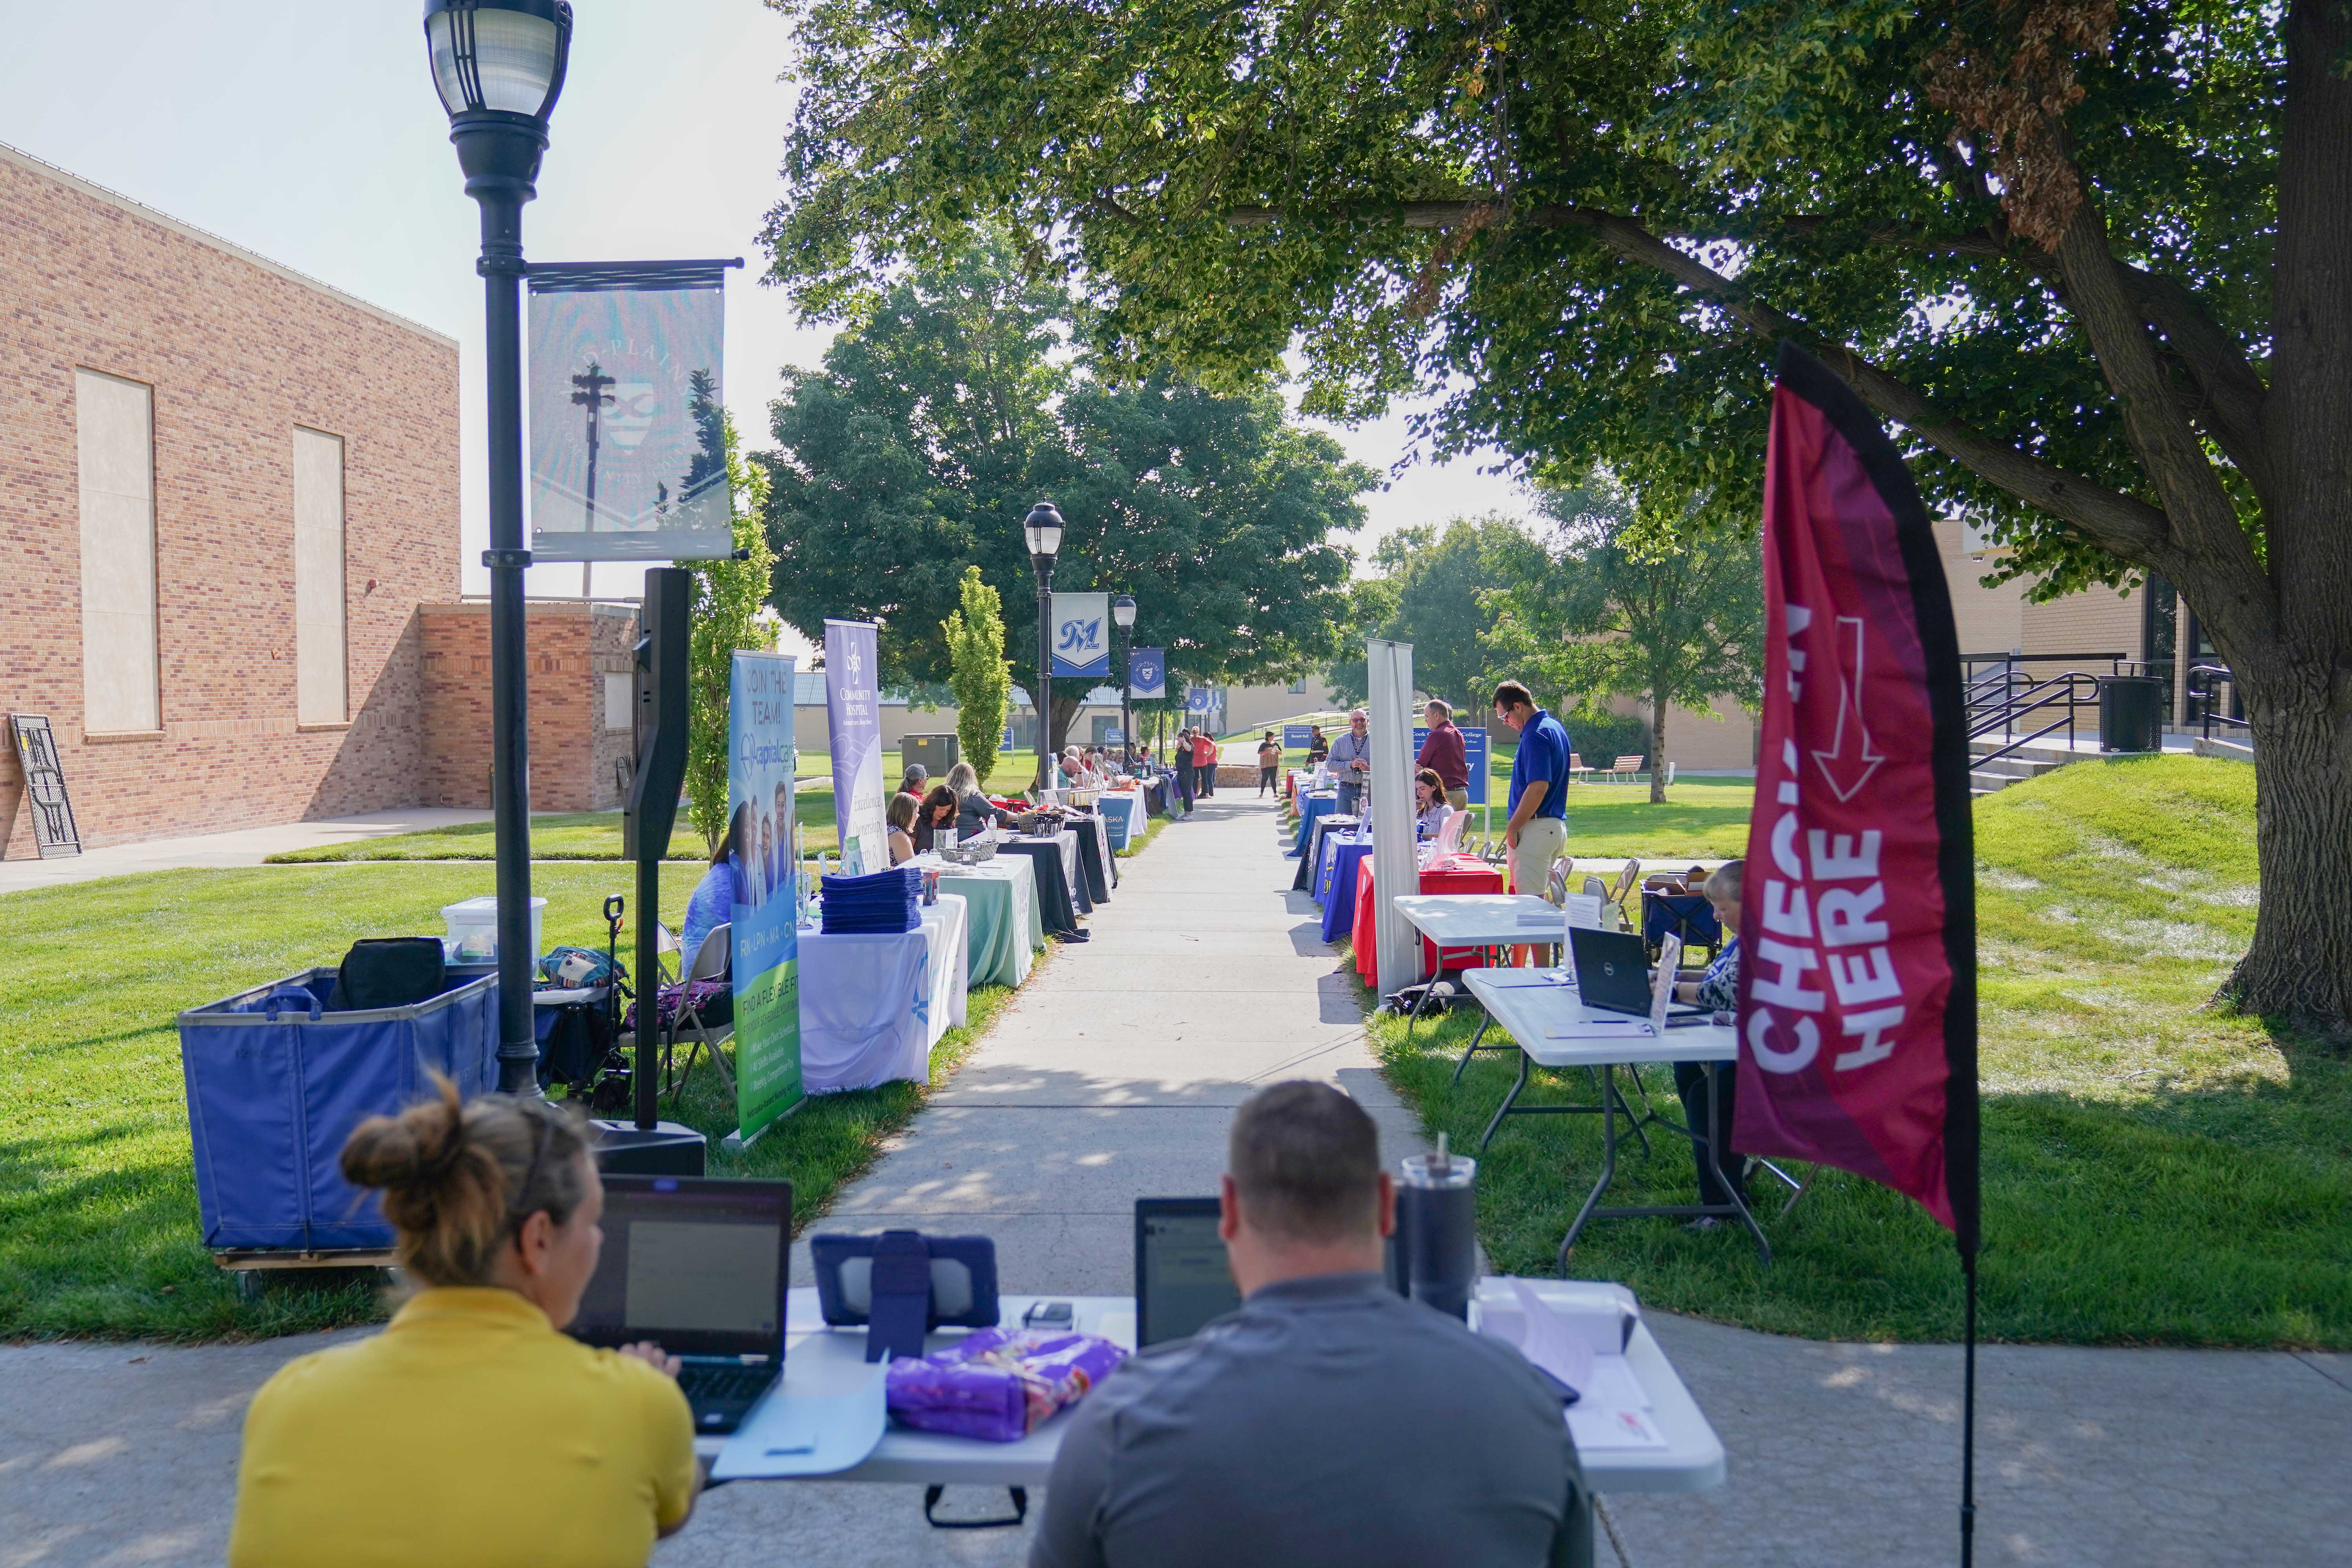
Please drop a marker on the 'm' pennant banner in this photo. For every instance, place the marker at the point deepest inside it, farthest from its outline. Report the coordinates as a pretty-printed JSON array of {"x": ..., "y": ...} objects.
[{"x": 1857, "y": 986}]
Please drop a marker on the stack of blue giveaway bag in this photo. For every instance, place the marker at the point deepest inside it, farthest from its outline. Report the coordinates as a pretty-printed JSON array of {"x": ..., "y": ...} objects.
[{"x": 885, "y": 902}]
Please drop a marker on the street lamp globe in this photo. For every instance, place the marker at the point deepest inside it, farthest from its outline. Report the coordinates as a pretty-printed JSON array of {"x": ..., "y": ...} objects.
[
  {"x": 503, "y": 57},
  {"x": 1043, "y": 528},
  {"x": 1122, "y": 610}
]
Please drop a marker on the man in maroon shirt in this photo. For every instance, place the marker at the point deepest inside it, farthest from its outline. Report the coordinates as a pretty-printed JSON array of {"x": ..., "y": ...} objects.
[{"x": 1444, "y": 752}]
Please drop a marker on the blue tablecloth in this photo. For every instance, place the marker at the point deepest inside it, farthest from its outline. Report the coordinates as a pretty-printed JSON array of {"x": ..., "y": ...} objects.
[
  {"x": 1339, "y": 886},
  {"x": 1311, "y": 806}
]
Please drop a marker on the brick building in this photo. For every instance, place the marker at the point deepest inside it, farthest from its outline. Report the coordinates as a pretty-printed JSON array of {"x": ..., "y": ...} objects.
[{"x": 581, "y": 703}]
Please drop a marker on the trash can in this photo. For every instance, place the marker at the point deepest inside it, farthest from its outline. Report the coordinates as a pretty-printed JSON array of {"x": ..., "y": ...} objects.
[
  {"x": 937, "y": 753},
  {"x": 275, "y": 1083},
  {"x": 2131, "y": 713}
]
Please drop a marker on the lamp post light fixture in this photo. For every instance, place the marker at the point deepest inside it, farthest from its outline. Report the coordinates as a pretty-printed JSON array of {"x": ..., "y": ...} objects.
[
  {"x": 498, "y": 67},
  {"x": 1042, "y": 529},
  {"x": 1122, "y": 616}
]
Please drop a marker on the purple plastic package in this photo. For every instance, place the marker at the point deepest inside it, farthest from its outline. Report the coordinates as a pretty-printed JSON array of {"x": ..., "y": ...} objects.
[{"x": 998, "y": 1384}]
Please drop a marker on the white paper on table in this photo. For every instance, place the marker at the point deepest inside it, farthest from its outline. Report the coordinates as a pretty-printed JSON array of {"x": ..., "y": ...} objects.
[
  {"x": 1553, "y": 1343},
  {"x": 1584, "y": 911},
  {"x": 790, "y": 1434},
  {"x": 1603, "y": 1029},
  {"x": 1595, "y": 1427},
  {"x": 1662, "y": 988}
]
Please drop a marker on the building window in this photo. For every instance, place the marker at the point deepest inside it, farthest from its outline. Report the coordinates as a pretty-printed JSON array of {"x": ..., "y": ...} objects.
[
  {"x": 321, "y": 693},
  {"x": 1299, "y": 686},
  {"x": 114, "y": 429}
]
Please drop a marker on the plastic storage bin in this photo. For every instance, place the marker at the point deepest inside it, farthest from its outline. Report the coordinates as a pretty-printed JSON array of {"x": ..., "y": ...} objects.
[
  {"x": 474, "y": 928},
  {"x": 276, "y": 1084}
]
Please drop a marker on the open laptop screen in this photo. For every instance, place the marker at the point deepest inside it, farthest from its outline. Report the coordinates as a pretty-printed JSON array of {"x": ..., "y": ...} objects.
[
  {"x": 1181, "y": 1278},
  {"x": 698, "y": 1265}
]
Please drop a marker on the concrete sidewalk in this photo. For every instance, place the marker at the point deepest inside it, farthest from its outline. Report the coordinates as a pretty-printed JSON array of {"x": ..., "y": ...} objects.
[
  {"x": 240, "y": 847},
  {"x": 1114, "y": 1076}
]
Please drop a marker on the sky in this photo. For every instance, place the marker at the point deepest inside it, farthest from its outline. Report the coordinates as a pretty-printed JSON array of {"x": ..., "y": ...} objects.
[{"x": 324, "y": 149}]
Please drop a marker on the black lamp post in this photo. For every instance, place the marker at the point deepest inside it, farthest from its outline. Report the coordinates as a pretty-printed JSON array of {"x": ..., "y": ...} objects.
[
  {"x": 1122, "y": 614},
  {"x": 1043, "y": 530},
  {"x": 498, "y": 67}
]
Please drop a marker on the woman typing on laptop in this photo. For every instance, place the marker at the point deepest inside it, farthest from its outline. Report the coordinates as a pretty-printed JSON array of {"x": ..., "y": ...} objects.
[{"x": 471, "y": 1431}]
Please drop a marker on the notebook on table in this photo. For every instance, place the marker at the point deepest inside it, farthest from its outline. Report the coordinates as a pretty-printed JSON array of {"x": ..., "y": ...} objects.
[{"x": 697, "y": 1265}]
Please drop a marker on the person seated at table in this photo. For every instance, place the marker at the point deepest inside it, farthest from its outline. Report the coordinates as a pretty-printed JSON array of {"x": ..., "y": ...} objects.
[
  {"x": 1429, "y": 808},
  {"x": 1719, "y": 989},
  {"x": 901, "y": 817},
  {"x": 917, "y": 780},
  {"x": 712, "y": 902},
  {"x": 938, "y": 812},
  {"x": 471, "y": 1430},
  {"x": 1269, "y": 762},
  {"x": 1328, "y": 1422},
  {"x": 974, "y": 812}
]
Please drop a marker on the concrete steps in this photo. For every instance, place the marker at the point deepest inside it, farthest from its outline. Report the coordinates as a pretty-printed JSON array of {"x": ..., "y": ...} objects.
[{"x": 2028, "y": 761}]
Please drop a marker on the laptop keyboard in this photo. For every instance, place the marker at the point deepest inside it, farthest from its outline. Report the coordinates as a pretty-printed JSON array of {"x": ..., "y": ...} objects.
[{"x": 719, "y": 1385}]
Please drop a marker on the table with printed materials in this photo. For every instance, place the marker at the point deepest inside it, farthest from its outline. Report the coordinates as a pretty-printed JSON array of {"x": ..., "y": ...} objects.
[
  {"x": 1004, "y": 929},
  {"x": 1643, "y": 1433},
  {"x": 1061, "y": 883},
  {"x": 874, "y": 1006},
  {"x": 1550, "y": 1026}
]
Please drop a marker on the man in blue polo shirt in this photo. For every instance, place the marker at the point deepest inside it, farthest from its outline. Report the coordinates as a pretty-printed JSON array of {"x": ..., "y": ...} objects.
[{"x": 1537, "y": 829}]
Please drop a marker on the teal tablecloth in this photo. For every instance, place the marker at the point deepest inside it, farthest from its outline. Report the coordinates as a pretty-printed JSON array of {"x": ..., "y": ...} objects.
[{"x": 1006, "y": 928}]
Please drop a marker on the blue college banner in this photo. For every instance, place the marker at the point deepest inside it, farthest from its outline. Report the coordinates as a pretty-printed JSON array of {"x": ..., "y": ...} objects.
[
  {"x": 1474, "y": 756},
  {"x": 1146, "y": 669},
  {"x": 854, "y": 724},
  {"x": 627, "y": 462},
  {"x": 1199, "y": 699},
  {"x": 766, "y": 931},
  {"x": 1081, "y": 636}
]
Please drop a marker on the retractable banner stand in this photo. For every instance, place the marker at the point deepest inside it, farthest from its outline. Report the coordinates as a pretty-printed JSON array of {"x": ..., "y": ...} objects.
[
  {"x": 1146, "y": 675},
  {"x": 854, "y": 726},
  {"x": 1395, "y": 867},
  {"x": 1857, "y": 984},
  {"x": 759, "y": 761},
  {"x": 627, "y": 456},
  {"x": 1081, "y": 636}
]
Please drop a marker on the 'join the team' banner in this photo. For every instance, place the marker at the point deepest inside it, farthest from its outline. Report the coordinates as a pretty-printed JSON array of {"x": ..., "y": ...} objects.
[
  {"x": 1857, "y": 981},
  {"x": 628, "y": 459},
  {"x": 766, "y": 929},
  {"x": 854, "y": 724}
]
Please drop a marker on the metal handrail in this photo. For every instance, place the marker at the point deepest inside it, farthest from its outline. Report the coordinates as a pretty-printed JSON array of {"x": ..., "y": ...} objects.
[
  {"x": 2065, "y": 691},
  {"x": 2202, "y": 693}
]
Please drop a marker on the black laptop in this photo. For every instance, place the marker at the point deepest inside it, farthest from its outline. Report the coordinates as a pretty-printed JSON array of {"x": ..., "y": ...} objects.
[
  {"x": 699, "y": 1266},
  {"x": 1181, "y": 1278},
  {"x": 1612, "y": 972}
]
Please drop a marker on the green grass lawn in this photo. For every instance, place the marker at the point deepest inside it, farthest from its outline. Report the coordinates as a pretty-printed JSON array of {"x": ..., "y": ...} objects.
[
  {"x": 99, "y": 1231},
  {"x": 2154, "y": 1173},
  {"x": 557, "y": 836}
]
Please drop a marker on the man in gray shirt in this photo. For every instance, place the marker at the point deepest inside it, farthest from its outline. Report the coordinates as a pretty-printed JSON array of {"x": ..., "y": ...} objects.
[
  {"x": 1351, "y": 760},
  {"x": 1328, "y": 1420}
]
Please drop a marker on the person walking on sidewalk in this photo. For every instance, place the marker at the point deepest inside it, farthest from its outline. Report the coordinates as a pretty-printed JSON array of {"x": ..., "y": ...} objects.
[
  {"x": 1269, "y": 762},
  {"x": 1538, "y": 830},
  {"x": 1446, "y": 753}
]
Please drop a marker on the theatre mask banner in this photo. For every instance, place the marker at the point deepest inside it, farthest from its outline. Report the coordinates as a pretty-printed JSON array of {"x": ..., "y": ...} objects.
[{"x": 627, "y": 450}]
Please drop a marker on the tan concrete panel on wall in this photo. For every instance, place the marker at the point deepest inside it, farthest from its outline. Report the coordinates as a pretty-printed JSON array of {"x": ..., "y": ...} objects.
[
  {"x": 320, "y": 668},
  {"x": 115, "y": 441}
]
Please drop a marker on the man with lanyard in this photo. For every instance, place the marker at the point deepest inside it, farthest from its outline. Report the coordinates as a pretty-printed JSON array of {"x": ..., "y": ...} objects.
[
  {"x": 1537, "y": 829},
  {"x": 1351, "y": 759},
  {"x": 1446, "y": 755}
]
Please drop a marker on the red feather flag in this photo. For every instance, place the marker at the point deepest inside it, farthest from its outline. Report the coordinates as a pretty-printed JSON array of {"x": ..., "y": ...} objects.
[{"x": 1857, "y": 978}]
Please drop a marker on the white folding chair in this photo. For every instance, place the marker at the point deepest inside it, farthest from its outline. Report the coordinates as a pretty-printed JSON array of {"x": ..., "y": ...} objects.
[{"x": 710, "y": 962}]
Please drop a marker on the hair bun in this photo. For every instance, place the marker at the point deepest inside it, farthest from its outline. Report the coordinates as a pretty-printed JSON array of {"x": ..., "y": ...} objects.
[{"x": 418, "y": 1148}]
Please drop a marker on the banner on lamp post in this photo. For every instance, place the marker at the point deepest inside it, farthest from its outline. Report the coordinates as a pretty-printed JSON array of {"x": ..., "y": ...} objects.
[
  {"x": 628, "y": 459},
  {"x": 766, "y": 933},
  {"x": 1081, "y": 636},
  {"x": 1857, "y": 981},
  {"x": 853, "y": 731},
  {"x": 1146, "y": 670}
]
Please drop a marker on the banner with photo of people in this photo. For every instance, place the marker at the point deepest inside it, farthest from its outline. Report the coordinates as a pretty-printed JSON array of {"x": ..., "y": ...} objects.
[
  {"x": 760, "y": 759},
  {"x": 854, "y": 728}
]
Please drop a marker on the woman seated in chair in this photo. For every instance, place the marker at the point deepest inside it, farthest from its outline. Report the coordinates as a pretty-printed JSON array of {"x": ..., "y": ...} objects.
[
  {"x": 471, "y": 1429},
  {"x": 973, "y": 811},
  {"x": 1428, "y": 807},
  {"x": 938, "y": 813},
  {"x": 901, "y": 817},
  {"x": 713, "y": 900},
  {"x": 1718, "y": 989}
]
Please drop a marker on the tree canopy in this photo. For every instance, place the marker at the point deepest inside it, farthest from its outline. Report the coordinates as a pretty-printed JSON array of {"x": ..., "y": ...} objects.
[
  {"x": 948, "y": 406},
  {"x": 2088, "y": 254},
  {"x": 1424, "y": 589}
]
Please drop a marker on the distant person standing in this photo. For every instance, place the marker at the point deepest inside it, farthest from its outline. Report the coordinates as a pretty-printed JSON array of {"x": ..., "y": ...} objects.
[
  {"x": 1269, "y": 761},
  {"x": 1537, "y": 829},
  {"x": 1351, "y": 759},
  {"x": 1319, "y": 745},
  {"x": 1446, "y": 753},
  {"x": 1205, "y": 763},
  {"x": 1183, "y": 759}
]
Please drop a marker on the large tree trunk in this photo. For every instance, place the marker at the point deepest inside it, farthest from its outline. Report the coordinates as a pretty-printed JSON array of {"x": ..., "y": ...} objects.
[
  {"x": 1065, "y": 712},
  {"x": 2300, "y": 965},
  {"x": 1657, "y": 750}
]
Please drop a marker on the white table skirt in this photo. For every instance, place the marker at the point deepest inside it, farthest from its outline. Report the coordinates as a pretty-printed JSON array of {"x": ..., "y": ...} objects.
[
  {"x": 1130, "y": 804},
  {"x": 873, "y": 1006}
]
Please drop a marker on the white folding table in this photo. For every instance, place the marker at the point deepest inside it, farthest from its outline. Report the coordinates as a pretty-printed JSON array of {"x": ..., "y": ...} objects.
[
  {"x": 1490, "y": 922},
  {"x": 821, "y": 1360},
  {"x": 1535, "y": 1004}
]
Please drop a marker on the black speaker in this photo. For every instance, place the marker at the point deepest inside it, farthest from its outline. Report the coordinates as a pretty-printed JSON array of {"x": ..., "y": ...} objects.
[{"x": 654, "y": 1146}]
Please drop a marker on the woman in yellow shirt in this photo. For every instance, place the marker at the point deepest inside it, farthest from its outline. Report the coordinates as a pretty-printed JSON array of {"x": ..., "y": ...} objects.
[{"x": 471, "y": 1431}]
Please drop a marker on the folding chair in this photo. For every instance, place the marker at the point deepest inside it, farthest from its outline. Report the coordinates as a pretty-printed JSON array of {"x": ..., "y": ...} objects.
[{"x": 711, "y": 961}]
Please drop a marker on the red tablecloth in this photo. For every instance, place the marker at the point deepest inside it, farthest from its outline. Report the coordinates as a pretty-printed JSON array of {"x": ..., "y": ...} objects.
[{"x": 1461, "y": 874}]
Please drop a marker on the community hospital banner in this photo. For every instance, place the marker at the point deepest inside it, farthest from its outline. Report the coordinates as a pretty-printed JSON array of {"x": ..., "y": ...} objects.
[
  {"x": 628, "y": 457},
  {"x": 766, "y": 933},
  {"x": 853, "y": 726},
  {"x": 1858, "y": 986},
  {"x": 1081, "y": 636}
]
